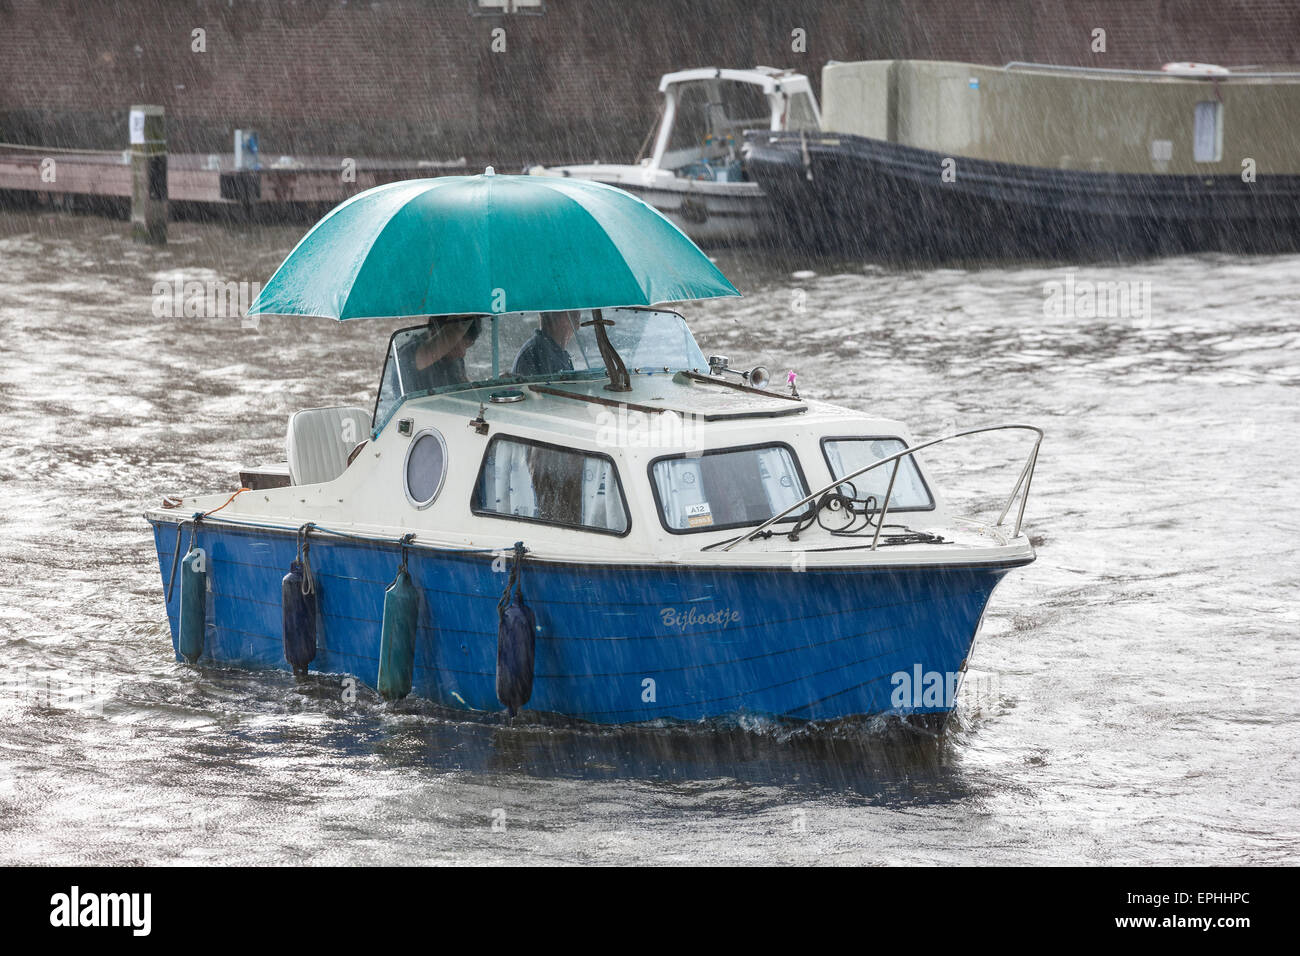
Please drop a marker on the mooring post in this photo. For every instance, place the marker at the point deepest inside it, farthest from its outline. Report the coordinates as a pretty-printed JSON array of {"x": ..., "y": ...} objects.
[{"x": 148, "y": 174}]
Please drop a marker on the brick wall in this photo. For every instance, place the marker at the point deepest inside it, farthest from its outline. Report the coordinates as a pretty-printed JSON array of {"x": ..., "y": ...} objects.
[
  {"x": 419, "y": 77},
  {"x": 1140, "y": 34}
]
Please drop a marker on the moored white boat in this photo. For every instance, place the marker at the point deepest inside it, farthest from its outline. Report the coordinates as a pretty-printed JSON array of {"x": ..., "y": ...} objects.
[{"x": 693, "y": 174}]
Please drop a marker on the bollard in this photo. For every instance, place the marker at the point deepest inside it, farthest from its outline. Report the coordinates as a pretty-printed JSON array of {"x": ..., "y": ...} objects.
[{"x": 148, "y": 174}]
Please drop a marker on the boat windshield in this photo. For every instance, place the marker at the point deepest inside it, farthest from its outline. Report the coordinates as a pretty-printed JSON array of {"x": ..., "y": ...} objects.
[
  {"x": 525, "y": 347},
  {"x": 708, "y": 125}
]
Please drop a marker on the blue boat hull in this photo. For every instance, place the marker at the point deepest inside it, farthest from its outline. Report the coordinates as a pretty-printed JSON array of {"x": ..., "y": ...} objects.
[{"x": 615, "y": 644}]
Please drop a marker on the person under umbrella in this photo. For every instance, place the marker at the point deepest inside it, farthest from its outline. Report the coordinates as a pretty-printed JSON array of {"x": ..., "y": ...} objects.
[
  {"x": 438, "y": 357},
  {"x": 545, "y": 352}
]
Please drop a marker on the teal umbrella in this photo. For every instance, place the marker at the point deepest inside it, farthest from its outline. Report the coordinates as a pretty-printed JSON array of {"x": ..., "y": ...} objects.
[{"x": 488, "y": 244}]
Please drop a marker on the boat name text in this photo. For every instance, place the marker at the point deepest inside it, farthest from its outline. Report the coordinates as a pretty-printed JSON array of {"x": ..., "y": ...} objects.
[{"x": 694, "y": 617}]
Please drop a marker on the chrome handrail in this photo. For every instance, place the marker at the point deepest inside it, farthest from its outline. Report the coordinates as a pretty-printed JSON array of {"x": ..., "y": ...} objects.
[{"x": 1026, "y": 478}]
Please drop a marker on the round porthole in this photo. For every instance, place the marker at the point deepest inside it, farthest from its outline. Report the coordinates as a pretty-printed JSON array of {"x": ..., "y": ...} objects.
[{"x": 426, "y": 467}]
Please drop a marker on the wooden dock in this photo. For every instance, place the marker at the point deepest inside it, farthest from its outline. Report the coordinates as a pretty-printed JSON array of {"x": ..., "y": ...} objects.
[{"x": 207, "y": 180}]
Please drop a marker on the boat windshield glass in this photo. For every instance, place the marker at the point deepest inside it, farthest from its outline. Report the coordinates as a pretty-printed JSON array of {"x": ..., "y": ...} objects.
[
  {"x": 710, "y": 118},
  {"x": 447, "y": 355},
  {"x": 727, "y": 488},
  {"x": 800, "y": 114},
  {"x": 847, "y": 455}
]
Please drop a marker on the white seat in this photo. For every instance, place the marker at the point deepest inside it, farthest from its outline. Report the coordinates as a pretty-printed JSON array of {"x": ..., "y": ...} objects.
[{"x": 320, "y": 440}]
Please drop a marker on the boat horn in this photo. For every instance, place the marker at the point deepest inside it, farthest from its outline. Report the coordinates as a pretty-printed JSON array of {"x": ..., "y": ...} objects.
[{"x": 756, "y": 377}]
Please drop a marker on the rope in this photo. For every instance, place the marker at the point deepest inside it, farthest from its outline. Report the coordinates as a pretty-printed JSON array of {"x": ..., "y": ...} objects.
[
  {"x": 194, "y": 530},
  {"x": 406, "y": 544},
  {"x": 198, "y": 516},
  {"x": 176, "y": 557},
  {"x": 513, "y": 582},
  {"x": 219, "y": 507},
  {"x": 351, "y": 536},
  {"x": 304, "y": 559}
]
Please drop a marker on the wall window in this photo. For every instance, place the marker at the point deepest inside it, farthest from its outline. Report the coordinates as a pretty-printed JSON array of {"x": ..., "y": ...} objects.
[
  {"x": 533, "y": 481},
  {"x": 729, "y": 488},
  {"x": 846, "y": 455},
  {"x": 1207, "y": 137}
]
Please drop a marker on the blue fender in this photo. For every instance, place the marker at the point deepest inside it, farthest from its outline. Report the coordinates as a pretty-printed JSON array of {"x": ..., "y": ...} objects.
[
  {"x": 194, "y": 599},
  {"x": 516, "y": 637},
  {"x": 299, "y": 620}
]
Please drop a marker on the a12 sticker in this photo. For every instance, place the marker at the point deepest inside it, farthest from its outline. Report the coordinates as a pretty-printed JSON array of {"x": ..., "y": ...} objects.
[{"x": 698, "y": 515}]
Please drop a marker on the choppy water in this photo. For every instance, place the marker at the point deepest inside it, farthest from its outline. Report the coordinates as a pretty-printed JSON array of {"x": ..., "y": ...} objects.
[{"x": 1133, "y": 697}]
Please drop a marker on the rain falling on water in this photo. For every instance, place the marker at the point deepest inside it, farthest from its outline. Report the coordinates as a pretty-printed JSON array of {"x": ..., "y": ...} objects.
[{"x": 1127, "y": 689}]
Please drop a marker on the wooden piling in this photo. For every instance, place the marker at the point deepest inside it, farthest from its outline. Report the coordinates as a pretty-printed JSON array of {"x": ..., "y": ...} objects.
[{"x": 148, "y": 174}]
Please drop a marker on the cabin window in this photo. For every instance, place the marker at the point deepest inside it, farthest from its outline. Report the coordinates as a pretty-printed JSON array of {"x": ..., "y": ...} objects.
[
  {"x": 426, "y": 467},
  {"x": 728, "y": 488},
  {"x": 846, "y": 455},
  {"x": 800, "y": 114},
  {"x": 534, "y": 481},
  {"x": 1207, "y": 139}
]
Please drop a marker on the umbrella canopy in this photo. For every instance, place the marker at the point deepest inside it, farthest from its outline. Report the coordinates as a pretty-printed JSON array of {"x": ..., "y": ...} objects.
[{"x": 488, "y": 244}]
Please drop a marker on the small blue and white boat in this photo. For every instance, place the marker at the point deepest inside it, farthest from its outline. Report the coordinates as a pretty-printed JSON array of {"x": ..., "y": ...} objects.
[{"x": 645, "y": 535}]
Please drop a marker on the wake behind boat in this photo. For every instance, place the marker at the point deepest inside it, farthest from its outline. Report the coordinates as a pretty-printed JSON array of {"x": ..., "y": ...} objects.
[{"x": 608, "y": 525}]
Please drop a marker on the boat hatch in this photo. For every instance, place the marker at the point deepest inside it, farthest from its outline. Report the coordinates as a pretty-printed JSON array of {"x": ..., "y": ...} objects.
[{"x": 490, "y": 345}]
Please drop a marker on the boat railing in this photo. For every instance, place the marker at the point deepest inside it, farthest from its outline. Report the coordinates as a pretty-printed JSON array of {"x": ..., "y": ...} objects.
[
  {"x": 1021, "y": 488},
  {"x": 1167, "y": 74}
]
